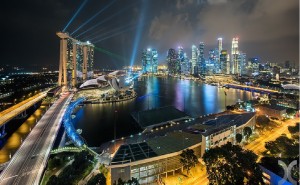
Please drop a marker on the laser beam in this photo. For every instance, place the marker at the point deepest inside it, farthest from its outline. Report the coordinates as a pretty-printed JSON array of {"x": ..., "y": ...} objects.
[
  {"x": 118, "y": 33},
  {"x": 109, "y": 32},
  {"x": 105, "y": 20},
  {"x": 95, "y": 15},
  {"x": 138, "y": 33},
  {"x": 110, "y": 53},
  {"x": 76, "y": 13}
]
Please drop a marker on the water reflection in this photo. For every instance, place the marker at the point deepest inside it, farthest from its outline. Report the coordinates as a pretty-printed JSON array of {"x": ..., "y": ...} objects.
[
  {"x": 15, "y": 140},
  {"x": 97, "y": 121}
]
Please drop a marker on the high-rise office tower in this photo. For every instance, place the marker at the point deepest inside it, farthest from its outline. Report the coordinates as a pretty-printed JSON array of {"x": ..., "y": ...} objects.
[
  {"x": 218, "y": 55},
  {"x": 75, "y": 61},
  {"x": 194, "y": 60},
  {"x": 235, "y": 67},
  {"x": 201, "y": 59},
  {"x": 184, "y": 62},
  {"x": 149, "y": 60},
  {"x": 223, "y": 61},
  {"x": 154, "y": 55},
  {"x": 242, "y": 63},
  {"x": 172, "y": 60},
  {"x": 220, "y": 47}
]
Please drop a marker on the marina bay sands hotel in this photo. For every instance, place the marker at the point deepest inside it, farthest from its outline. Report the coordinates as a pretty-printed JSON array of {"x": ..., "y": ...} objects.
[{"x": 75, "y": 61}]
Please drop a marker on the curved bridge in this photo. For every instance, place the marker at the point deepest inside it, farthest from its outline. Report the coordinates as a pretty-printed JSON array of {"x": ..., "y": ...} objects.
[{"x": 66, "y": 149}]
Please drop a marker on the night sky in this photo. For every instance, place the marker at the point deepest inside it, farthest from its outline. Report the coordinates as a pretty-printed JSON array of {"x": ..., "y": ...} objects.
[{"x": 268, "y": 29}]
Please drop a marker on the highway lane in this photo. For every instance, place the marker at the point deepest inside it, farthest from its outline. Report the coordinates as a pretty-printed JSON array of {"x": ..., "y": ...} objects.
[
  {"x": 27, "y": 165},
  {"x": 17, "y": 109}
]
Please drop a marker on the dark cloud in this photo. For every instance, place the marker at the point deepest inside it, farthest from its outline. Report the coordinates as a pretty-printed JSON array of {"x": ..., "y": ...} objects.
[{"x": 266, "y": 28}]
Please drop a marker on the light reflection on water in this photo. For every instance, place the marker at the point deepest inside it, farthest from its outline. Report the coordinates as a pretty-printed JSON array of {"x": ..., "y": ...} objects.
[
  {"x": 97, "y": 120},
  {"x": 14, "y": 141}
]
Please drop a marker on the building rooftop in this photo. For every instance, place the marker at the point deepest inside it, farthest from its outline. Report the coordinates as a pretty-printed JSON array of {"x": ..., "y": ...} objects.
[
  {"x": 173, "y": 142},
  {"x": 133, "y": 152},
  {"x": 156, "y": 116},
  {"x": 176, "y": 141},
  {"x": 222, "y": 122}
]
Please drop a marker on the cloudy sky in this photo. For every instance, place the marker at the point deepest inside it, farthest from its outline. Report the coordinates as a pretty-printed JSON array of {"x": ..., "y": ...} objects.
[{"x": 268, "y": 29}]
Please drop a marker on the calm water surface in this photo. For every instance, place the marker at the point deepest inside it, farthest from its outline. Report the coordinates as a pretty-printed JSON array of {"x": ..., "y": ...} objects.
[{"x": 98, "y": 121}]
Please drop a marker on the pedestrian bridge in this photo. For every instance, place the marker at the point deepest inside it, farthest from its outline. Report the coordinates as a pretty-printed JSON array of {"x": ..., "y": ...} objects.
[{"x": 66, "y": 149}]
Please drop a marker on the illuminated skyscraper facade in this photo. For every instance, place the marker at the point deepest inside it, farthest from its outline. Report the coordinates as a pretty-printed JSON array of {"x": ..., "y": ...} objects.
[
  {"x": 223, "y": 62},
  {"x": 201, "y": 59},
  {"x": 150, "y": 61},
  {"x": 75, "y": 61},
  {"x": 235, "y": 66},
  {"x": 194, "y": 60},
  {"x": 172, "y": 61},
  {"x": 242, "y": 63}
]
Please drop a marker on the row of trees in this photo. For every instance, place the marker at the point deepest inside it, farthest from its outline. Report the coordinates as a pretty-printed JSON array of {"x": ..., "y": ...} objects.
[
  {"x": 132, "y": 181},
  {"x": 73, "y": 173}
]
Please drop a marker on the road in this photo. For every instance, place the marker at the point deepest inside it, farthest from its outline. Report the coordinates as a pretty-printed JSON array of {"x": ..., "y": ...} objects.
[
  {"x": 28, "y": 163},
  {"x": 17, "y": 109},
  {"x": 258, "y": 145}
]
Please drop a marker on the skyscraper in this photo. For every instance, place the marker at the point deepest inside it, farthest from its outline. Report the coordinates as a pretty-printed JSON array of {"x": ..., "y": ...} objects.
[
  {"x": 201, "y": 59},
  {"x": 149, "y": 60},
  {"x": 172, "y": 60},
  {"x": 235, "y": 67},
  {"x": 220, "y": 47},
  {"x": 218, "y": 54},
  {"x": 223, "y": 62},
  {"x": 242, "y": 63},
  {"x": 194, "y": 60},
  {"x": 154, "y": 60},
  {"x": 76, "y": 59}
]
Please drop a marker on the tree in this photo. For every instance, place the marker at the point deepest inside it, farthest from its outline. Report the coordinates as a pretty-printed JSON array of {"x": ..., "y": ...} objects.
[
  {"x": 283, "y": 146},
  {"x": 230, "y": 164},
  {"x": 247, "y": 132},
  {"x": 290, "y": 111},
  {"x": 98, "y": 179},
  {"x": 188, "y": 159},
  {"x": 262, "y": 121},
  {"x": 294, "y": 129},
  {"x": 238, "y": 137},
  {"x": 54, "y": 180},
  {"x": 132, "y": 181}
]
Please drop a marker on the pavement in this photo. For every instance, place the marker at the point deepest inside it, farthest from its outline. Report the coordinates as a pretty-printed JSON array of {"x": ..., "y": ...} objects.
[{"x": 28, "y": 163}]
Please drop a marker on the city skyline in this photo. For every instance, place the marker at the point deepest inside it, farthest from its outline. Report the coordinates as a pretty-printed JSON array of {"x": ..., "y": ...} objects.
[{"x": 261, "y": 25}]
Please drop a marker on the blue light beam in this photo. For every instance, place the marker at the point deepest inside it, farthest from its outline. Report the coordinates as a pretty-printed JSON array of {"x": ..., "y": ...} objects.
[
  {"x": 77, "y": 12},
  {"x": 118, "y": 33},
  {"x": 138, "y": 33},
  {"x": 109, "y": 32},
  {"x": 105, "y": 20},
  {"x": 90, "y": 19}
]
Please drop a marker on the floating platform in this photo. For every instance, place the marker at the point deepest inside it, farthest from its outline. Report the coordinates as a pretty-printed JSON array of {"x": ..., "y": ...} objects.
[{"x": 155, "y": 117}]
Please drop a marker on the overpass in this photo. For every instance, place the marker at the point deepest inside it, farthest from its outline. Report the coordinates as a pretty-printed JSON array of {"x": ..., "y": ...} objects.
[
  {"x": 28, "y": 163},
  {"x": 20, "y": 108},
  {"x": 250, "y": 88}
]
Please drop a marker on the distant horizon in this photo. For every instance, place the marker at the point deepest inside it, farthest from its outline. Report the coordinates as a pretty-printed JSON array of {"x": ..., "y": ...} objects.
[{"x": 268, "y": 29}]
